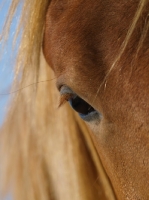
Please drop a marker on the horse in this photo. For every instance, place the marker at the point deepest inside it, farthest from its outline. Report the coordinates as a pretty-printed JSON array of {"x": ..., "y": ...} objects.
[
  {"x": 45, "y": 152},
  {"x": 98, "y": 52}
]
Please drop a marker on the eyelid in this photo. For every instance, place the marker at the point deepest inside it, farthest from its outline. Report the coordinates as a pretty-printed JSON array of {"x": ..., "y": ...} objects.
[
  {"x": 65, "y": 95},
  {"x": 66, "y": 90}
]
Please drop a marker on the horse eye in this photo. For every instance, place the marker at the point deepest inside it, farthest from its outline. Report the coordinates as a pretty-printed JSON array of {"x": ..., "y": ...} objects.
[
  {"x": 85, "y": 111},
  {"x": 80, "y": 105}
]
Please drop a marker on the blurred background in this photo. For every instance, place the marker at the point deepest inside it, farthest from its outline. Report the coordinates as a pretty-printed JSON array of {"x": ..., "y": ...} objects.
[{"x": 7, "y": 58}]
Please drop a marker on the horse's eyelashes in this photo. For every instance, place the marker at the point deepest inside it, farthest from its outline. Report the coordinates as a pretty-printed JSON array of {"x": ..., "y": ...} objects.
[{"x": 64, "y": 98}]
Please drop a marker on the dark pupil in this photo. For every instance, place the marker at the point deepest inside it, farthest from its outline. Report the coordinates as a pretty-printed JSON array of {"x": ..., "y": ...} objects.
[{"x": 80, "y": 105}]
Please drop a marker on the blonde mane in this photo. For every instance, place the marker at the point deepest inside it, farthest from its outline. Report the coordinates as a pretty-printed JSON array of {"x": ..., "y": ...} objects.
[{"x": 42, "y": 154}]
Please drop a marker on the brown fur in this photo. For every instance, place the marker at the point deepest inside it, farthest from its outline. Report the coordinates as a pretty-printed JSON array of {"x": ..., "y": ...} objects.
[{"x": 81, "y": 42}]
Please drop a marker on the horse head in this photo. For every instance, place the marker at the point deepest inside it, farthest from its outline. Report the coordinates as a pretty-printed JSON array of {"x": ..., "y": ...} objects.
[{"x": 99, "y": 53}]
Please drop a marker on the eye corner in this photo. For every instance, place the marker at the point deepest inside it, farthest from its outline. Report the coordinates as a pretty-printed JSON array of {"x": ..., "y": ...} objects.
[{"x": 58, "y": 86}]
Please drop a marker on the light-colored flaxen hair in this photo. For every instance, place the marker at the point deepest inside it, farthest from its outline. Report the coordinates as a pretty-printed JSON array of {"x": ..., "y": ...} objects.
[{"x": 46, "y": 153}]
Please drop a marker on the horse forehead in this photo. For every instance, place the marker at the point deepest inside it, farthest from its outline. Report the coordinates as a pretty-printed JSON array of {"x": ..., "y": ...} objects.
[
  {"x": 65, "y": 44},
  {"x": 72, "y": 28}
]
